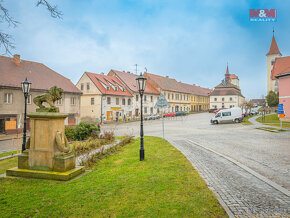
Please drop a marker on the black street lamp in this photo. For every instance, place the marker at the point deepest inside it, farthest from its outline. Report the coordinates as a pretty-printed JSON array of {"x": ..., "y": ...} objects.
[
  {"x": 141, "y": 83},
  {"x": 25, "y": 88}
]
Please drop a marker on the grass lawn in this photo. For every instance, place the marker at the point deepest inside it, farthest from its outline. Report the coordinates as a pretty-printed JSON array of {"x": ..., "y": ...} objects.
[
  {"x": 164, "y": 185},
  {"x": 4, "y": 154},
  {"x": 273, "y": 120},
  {"x": 246, "y": 121},
  {"x": 6, "y": 164}
]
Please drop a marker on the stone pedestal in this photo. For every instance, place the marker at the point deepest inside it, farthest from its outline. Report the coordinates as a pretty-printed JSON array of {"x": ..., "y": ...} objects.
[{"x": 43, "y": 154}]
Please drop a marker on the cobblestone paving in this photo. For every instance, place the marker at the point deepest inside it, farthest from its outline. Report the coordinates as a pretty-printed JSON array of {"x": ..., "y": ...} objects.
[{"x": 242, "y": 192}]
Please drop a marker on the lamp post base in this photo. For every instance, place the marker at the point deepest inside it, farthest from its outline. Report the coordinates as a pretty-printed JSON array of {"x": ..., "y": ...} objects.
[{"x": 142, "y": 154}]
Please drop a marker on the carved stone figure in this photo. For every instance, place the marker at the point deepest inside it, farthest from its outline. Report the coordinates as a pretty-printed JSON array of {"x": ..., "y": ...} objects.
[
  {"x": 53, "y": 95},
  {"x": 63, "y": 147}
]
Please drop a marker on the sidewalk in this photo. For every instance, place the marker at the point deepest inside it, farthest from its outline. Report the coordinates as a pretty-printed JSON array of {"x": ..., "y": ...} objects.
[
  {"x": 4, "y": 137},
  {"x": 258, "y": 124}
]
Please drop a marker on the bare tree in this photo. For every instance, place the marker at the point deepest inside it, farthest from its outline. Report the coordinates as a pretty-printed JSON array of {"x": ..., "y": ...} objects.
[{"x": 6, "y": 40}]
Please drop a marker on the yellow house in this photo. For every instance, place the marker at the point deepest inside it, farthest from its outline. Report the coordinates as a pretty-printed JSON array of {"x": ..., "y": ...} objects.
[{"x": 199, "y": 102}]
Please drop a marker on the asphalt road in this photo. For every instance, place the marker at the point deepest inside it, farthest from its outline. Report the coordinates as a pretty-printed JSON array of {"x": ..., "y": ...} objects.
[
  {"x": 248, "y": 169},
  {"x": 265, "y": 152}
]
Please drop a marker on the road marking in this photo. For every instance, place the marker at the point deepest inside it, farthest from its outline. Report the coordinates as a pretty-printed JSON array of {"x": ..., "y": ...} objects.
[{"x": 259, "y": 176}]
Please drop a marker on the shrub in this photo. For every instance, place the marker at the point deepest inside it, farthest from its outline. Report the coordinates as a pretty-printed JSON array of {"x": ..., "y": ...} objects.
[
  {"x": 108, "y": 135},
  {"x": 84, "y": 130},
  {"x": 69, "y": 133}
]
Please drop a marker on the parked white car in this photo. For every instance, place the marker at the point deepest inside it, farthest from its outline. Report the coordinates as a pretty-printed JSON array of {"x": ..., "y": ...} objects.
[{"x": 228, "y": 115}]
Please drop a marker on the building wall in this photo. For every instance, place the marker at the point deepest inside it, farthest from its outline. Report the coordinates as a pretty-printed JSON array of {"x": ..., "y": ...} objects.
[
  {"x": 114, "y": 111},
  {"x": 199, "y": 103},
  {"x": 272, "y": 85},
  {"x": 178, "y": 101},
  {"x": 284, "y": 95},
  {"x": 90, "y": 112},
  {"x": 17, "y": 106},
  {"x": 148, "y": 104},
  {"x": 226, "y": 101}
]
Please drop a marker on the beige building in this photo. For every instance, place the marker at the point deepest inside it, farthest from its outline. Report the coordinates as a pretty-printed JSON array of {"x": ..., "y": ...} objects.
[
  {"x": 273, "y": 53},
  {"x": 104, "y": 98},
  {"x": 226, "y": 94},
  {"x": 180, "y": 96},
  {"x": 12, "y": 72}
]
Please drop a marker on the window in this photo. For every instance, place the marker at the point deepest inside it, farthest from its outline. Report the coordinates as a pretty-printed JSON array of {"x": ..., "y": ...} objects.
[
  {"x": 184, "y": 97},
  {"x": 129, "y": 101},
  {"x": 145, "y": 110},
  {"x": 92, "y": 101},
  {"x": 116, "y": 88},
  {"x": 123, "y": 101},
  {"x": 218, "y": 115},
  {"x": 176, "y": 96},
  {"x": 108, "y": 88},
  {"x": 151, "y": 110},
  {"x": 276, "y": 89},
  {"x": 187, "y": 98},
  {"x": 231, "y": 98},
  {"x": 117, "y": 101},
  {"x": 151, "y": 98},
  {"x": 82, "y": 86},
  {"x": 230, "y": 106},
  {"x": 108, "y": 100},
  {"x": 29, "y": 99},
  {"x": 72, "y": 100},
  {"x": 215, "y": 99},
  {"x": 59, "y": 101},
  {"x": 172, "y": 96},
  {"x": 168, "y": 96},
  {"x": 272, "y": 61},
  {"x": 276, "y": 83},
  {"x": 145, "y": 98},
  {"x": 137, "y": 96},
  {"x": 225, "y": 114},
  {"x": 223, "y": 99},
  {"x": 88, "y": 86},
  {"x": 215, "y": 106},
  {"x": 8, "y": 98}
]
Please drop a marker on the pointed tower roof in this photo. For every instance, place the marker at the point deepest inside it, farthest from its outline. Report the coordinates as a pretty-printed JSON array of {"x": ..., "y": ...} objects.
[
  {"x": 274, "y": 47},
  {"x": 227, "y": 75}
]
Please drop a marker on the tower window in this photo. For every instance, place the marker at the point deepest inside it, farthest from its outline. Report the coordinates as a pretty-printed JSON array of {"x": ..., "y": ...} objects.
[{"x": 272, "y": 62}]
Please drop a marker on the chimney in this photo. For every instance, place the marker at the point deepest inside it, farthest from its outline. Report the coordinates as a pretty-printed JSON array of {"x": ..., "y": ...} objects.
[
  {"x": 102, "y": 73},
  {"x": 16, "y": 59}
]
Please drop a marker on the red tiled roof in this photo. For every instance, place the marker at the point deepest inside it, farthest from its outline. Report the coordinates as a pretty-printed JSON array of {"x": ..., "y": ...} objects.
[
  {"x": 98, "y": 79},
  {"x": 130, "y": 80},
  {"x": 41, "y": 77},
  {"x": 233, "y": 76},
  {"x": 274, "y": 47},
  {"x": 170, "y": 84},
  {"x": 280, "y": 65}
]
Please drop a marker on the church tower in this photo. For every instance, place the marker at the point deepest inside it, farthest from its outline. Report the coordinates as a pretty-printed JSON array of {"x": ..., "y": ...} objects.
[{"x": 272, "y": 84}]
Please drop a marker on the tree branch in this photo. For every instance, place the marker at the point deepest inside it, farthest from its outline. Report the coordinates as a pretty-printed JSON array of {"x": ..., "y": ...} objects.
[
  {"x": 5, "y": 41},
  {"x": 6, "y": 17},
  {"x": 54, "y": 12}
]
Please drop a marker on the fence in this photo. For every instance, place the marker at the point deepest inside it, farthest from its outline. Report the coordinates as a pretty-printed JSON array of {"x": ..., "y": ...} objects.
[{"x": 18, "y": 144}]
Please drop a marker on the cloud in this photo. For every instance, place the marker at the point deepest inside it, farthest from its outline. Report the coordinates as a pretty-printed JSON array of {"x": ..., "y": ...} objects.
[{"x": 189, "y": 41}]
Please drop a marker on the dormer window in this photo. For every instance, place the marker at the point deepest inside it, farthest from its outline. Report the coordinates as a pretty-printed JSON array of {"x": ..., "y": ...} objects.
[
  {"x": 108, "y": 88},
  {"x": 116, "y": 88}
]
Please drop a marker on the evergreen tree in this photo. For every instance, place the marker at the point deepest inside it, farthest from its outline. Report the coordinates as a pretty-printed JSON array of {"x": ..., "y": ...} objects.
[{"x": 272, "y": 99}]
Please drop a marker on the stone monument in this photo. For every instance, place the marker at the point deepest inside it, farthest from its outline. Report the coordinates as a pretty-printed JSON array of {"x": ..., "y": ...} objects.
[{"x": 47, "y": 153}]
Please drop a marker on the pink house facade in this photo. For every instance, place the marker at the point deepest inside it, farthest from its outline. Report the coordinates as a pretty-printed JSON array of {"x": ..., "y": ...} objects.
[{"x": 284, "y": 92}]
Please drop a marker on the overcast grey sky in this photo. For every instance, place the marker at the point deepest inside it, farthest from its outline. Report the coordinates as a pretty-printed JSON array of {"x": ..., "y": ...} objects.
[{"x": 191, "y": 41}]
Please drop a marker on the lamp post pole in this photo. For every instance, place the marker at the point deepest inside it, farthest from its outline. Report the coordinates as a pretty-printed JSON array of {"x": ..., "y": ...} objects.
[
  {"x": 24, "y": 127},
  {"x": 142, "y": 151},
  {"x": 25, "y": 88}
]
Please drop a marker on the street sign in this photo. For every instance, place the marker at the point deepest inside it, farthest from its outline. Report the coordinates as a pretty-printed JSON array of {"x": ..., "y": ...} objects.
[{"x": 161, "y": 102}]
